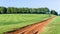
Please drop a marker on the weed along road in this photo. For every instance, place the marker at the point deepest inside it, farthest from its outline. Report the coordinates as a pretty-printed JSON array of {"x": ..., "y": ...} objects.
[{"x": 32, "y": 29}]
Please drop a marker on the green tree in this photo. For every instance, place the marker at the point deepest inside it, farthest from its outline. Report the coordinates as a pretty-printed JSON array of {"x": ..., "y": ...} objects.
[
  {"x": 3, "y": 10},
  {"x": 12, "y": 10},
  {"x": 54, "y": 12}
]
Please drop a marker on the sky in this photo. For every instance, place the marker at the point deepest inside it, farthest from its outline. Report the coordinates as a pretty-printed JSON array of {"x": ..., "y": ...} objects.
[{"x": 51, "y": 4}]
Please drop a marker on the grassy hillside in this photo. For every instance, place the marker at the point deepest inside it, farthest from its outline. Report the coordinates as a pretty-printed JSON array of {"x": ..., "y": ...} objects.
[
  {"x": 10, "y": 22},
  {"x": 53, "y": 27}
]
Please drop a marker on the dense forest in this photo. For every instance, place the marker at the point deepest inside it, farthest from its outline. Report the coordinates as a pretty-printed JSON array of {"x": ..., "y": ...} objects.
[{"x": 14, "y": 10}]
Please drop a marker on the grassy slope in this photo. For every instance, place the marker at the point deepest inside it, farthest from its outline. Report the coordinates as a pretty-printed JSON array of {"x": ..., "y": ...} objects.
[
  {"x": 53, "y": 27},
  {"x": 12, "y": 21}
]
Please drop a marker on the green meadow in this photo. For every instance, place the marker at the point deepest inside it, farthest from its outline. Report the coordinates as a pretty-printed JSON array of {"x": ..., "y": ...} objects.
[
  {"x": 53, "y": 27},
  {"x": 9, "y": 22}
]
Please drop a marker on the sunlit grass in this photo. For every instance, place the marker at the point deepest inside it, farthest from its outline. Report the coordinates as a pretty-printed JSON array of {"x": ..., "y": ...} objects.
[
  {"x": 10, "y": 22},
  {"x": 53, "y": 27}
]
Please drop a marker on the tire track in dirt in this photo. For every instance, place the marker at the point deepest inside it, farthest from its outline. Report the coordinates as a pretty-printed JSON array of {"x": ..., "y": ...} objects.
[{"x": 32, "y": 29}]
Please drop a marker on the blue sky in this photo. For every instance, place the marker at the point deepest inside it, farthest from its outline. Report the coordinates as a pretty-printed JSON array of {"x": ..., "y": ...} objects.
[{"x": 51, "y": 4}]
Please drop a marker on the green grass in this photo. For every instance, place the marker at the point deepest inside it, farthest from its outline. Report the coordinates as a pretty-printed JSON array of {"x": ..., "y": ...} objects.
[
  {"x": 53, "y": 27},
  {"x": 10, "y": 22}
]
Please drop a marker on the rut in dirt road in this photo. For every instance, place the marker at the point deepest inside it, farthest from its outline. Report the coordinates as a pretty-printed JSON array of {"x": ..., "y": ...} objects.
[{"x": 32, "y": 29}]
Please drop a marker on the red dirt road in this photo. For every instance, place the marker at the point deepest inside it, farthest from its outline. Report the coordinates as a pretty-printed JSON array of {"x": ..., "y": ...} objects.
[{"x": 32, "y": 29}]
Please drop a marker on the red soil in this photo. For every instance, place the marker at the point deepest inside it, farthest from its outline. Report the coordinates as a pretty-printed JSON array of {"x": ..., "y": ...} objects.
[{"x": 32, "y": 29}]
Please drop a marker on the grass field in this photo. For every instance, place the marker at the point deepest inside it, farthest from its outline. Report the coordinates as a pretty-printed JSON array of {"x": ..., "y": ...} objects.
[
  {"x": 53, "y": 27},
  {"x": 10, "y": 22}
]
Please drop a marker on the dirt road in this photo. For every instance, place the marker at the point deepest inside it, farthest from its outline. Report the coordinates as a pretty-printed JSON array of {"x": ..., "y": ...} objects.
[{"x": 32, "y": 29}]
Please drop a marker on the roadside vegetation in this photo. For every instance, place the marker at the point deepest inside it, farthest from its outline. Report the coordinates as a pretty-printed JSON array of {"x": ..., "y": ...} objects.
[
  {"x": 53, "y": 27},
  {"x": 9, "y": 22}
]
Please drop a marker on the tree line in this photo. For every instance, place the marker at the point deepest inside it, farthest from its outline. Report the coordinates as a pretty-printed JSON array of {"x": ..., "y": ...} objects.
[{"x": 14, "y": 10}]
